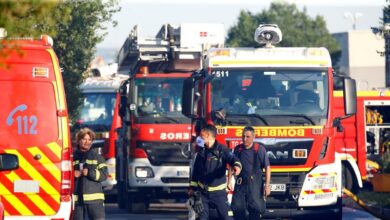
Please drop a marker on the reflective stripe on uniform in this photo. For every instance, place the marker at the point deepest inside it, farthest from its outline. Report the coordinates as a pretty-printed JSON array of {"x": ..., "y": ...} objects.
[
  {"x": 91, "y": 162},
  {"x": 230, "y": 213},
  {"x": 97, "y": 174},
  {"x": 193, "y": 183},
  {"x": 213, "y": 188},
  {"x": 101, "y": 165},
  {"x": 93, "y": 196},
  {"x": 90, "y": 197}
]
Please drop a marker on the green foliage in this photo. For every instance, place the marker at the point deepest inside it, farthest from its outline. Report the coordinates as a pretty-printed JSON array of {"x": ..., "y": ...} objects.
[
  {"x": 30, "y": 18},
  {"x": 76, "y": 41},
  {"x": 298, "y": 29}
]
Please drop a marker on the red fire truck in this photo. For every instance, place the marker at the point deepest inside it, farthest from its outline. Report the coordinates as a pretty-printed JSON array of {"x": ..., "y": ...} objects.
[
  {"x": 35, "y": 148},
  {"x": 153, "y": 162},
  {"x": 287, "y": 95}
]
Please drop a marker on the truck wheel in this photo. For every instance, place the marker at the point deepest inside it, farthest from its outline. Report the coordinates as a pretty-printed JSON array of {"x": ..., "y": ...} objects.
[
  {"x": 348, "y": 179},
  {"x": 137, "y": 203}
]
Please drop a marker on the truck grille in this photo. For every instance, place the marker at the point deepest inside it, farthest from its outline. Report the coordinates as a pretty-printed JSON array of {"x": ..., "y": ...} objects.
[
  {"x": 294, "y": 182},
  {"x": 174, "y": 180},
  {"x": 166, "y": 153},
  {"x": 280, "y": 151}
]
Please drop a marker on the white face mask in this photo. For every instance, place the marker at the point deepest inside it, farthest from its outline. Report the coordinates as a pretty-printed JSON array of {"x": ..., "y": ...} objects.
[{"x": 199, "y": 141}]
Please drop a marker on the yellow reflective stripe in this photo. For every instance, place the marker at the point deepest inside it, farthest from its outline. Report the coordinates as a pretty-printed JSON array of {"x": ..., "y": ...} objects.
[
  {"x": 213, "y": 188},
  {"x": 12, "y": 199},
  {"x": 36, "y": 199},
  {"x": 45, "y": 162},
  {"x": 60, "y": 100},
  {"x": 193, "y": 183},
  {"x": 41, "y": 204},
  {"x": 230, "y": 213},
  {"x": 101, "y": 165},
  {"x": 97, "y": 174},
  {"x": 75, "y": 197},
  {"x": 35, "y": 175},
  {"x": 76, "y": 162},
  {"x": 55, "y": 148},
  {"x": 94, "y": 162},
  {"x": 93, "y": 196},
  {"x": 216, "y": 188}
]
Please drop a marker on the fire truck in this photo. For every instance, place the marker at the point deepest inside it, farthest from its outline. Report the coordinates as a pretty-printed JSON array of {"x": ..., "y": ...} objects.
[
  {"x": 372, "y": 122},
  {"x": 99, "y": 112},
  {"x": 153, "y": 162},
  {"x": 36, "y": 179},
  {"x": 287, "y": 95}
]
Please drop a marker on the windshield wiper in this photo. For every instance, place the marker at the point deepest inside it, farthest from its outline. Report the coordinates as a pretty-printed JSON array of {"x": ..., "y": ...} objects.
[
  {"x": 250, "y": 115},
  {"x": 298, "y": 122}
]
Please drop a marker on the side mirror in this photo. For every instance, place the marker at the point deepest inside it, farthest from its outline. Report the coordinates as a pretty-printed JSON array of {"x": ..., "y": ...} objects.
[
  {"x": 349, "y": 89},
  {"x": 187, "y": 101},
  {"x": 8, "y": 162},
  {"x": 123, "y": 99}
]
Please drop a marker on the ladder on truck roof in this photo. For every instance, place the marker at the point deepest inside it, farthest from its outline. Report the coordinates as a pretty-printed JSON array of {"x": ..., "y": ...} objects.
[{"x": 172, "y": 49}]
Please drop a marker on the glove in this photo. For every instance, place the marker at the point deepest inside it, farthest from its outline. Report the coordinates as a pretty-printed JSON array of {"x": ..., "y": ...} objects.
[{"x": 198, "y": 205}]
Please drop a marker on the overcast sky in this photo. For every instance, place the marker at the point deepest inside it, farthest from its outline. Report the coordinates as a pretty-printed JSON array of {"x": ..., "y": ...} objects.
[{"x": 150, "y": 15}]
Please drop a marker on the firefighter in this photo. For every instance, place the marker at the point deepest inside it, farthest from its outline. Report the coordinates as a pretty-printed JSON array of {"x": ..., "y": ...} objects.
[
  {"x": 249, "y": 191},
  {"x": 208, "y": 179},
  {"x": 90, "y": 170}
]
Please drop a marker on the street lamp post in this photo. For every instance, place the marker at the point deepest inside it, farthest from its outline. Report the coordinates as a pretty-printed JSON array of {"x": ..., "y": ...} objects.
[{"x": 353, "y": 17}]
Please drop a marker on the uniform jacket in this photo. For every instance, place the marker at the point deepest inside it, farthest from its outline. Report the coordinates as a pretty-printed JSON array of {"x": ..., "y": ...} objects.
[
  {"x": 209, "y": 173},
  {"x": 88, "y": 189}
]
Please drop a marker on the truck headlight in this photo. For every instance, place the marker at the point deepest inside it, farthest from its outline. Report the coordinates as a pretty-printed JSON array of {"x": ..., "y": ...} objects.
[{"x": 144, "y": 172}]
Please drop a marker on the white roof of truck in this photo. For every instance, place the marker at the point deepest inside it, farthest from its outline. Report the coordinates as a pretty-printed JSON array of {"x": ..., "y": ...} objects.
[
  {"x": 102, "y": 84},
  {"x": 268, "y": 57}
]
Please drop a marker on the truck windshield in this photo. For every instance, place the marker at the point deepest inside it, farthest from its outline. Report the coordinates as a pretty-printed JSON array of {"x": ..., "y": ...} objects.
[
  {"x": 159, "y": 100},
  {"x": 97, "y": 111},
  {"x": 279, "y": 96}
]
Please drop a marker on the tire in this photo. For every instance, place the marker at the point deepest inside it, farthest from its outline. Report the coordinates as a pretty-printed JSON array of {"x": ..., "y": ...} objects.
[
  {"x": 348, "y": 180},
  {"x": 137, "y": 203}
]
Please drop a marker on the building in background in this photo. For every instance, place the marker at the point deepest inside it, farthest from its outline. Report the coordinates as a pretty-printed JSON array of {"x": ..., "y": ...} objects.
[{"x": 360, "y": 58}]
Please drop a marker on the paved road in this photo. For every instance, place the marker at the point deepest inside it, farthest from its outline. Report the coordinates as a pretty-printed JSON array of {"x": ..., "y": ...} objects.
[{"x": 175, "y": 212}]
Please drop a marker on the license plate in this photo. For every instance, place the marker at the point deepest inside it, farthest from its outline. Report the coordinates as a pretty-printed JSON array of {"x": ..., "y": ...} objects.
[
  {"x": 182, "y": 173},
  {"x": 278, "y": 187}
]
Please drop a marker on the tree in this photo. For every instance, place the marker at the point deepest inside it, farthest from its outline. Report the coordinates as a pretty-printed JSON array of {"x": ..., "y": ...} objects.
[
  {"x": 299, "y": 30},
  {"x": 76, "y": 41},
  {"x": 27, "y": 18}
]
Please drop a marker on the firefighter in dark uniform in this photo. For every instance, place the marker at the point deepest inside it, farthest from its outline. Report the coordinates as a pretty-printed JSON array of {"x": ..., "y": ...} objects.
[
  {"x": 208, "y": 179},
  {"x": 249, "y": 191},
  {"x": 90, "y": 170}
]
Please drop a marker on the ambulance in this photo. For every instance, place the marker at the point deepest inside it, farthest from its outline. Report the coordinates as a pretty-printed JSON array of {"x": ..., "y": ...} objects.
[{"x": 35, "y": 151}]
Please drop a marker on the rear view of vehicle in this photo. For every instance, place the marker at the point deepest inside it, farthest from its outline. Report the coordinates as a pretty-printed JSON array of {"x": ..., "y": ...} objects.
[{"x": 35, "y": 178}]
